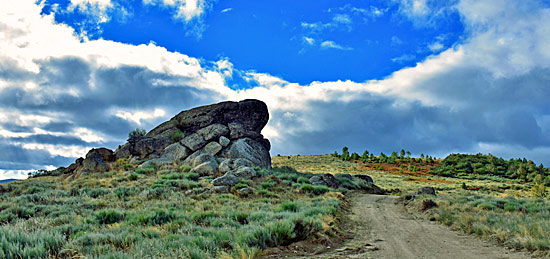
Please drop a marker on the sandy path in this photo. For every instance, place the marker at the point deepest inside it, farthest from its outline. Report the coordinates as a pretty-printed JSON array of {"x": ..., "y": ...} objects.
[{"x": 382, "y": 229}]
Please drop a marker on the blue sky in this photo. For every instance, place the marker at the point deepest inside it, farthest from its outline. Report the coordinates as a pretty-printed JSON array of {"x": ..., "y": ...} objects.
[{"x": 433, "y": 77}]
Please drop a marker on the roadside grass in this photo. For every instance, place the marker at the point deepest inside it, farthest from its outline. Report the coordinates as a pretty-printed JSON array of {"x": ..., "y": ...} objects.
[
  {"x": 167, "y": 213},
  {"x": 519, "y": 223}
]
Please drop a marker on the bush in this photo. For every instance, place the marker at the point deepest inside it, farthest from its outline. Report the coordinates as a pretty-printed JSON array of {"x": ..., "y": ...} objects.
[
  {"x": 20, "y": 243},
  {"x": 176, "y": 136},
  {"x": 133, "y": 177},
  {"x": 109, "y": 216},
  {"x": 289, "y": 206},
  {"x": 138, "y": 132}
]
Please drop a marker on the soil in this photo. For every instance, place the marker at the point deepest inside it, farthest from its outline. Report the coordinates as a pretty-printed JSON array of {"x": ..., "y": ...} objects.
[{"x": 380, "y": 227}]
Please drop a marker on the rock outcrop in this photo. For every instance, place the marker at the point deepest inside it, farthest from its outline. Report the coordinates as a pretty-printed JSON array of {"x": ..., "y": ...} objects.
[{"x": 221, "y": 140}]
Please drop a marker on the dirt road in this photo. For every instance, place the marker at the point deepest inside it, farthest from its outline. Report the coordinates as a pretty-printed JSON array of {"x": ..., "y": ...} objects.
[{"x": 382, "y": 229}]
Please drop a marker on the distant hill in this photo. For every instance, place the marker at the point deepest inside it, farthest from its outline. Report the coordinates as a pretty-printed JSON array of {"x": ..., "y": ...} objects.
[{"x": 8, "y": 180}]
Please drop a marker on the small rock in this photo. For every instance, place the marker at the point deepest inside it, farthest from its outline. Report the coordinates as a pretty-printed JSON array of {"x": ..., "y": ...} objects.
[
  {"x": 325, "y": 179},
  {"x": 428, "y": 204},
  {"x": 227, "y": 179},
  {"x": 213, "y": 148},
  {"x": 245, "y": 191},
  {"x": 176, "y": 151},
  {"x": 224, "y": 141},
  {"x": 213, "y": 131},
  {"x": 245, "y": 172},
  {"x": 220, "y": 189},
  {"x": 427, "y": 190},
  {"x": 365, "y": 177},
  {"x": 225, "y": 166},
  {"x": 157, "y": 162},
  {"x": 202, "y": 159},
  {"x": 206, "y": 169},
  {"x": 193, "y": 141}
]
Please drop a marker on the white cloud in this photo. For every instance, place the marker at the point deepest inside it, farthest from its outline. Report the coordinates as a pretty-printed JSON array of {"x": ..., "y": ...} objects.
[
  {"x": 328, "y": 44},
  {"x": 464, "y": 98},
  {"x": 436, "y": 46},
  {"x": 186, "y": 10},
  {"x": 140, "y": 115},
  {"x": 308, "y": 40},
  {"x": 226, "y": 10}
]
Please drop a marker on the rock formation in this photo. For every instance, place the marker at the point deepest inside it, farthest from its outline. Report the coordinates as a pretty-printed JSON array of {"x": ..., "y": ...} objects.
[{"x": 221, "y": 139}]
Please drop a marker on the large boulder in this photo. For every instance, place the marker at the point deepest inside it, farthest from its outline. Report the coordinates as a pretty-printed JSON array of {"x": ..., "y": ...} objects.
[
  {"x": 249, "y": 149},
  {"x": 97, "y": 160},
  {"x": 252, "y": 114}
]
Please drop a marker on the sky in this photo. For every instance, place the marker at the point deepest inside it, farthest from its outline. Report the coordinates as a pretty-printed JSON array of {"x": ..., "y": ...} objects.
[{"x": 432, "y": 77}]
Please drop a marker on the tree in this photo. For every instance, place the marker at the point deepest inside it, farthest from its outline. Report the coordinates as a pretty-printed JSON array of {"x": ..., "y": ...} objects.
[
  {"x": 345, "y": 154},
  {"x": 366, "y": 154},
  {"x": 408, "y": 153},
  {"x": 402, "y": 154}
]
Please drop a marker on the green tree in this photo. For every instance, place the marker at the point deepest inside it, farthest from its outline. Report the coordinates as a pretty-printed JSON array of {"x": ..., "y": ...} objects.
[
  {"x": 137, "y": 132},
  {"x": 345, "y": 154},
  {"x": 402, "y": 154},
  {"x": 366, "y": 154}
]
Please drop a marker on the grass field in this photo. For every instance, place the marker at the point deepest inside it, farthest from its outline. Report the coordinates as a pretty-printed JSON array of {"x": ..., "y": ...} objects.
[{"x": 153, "y": 213}]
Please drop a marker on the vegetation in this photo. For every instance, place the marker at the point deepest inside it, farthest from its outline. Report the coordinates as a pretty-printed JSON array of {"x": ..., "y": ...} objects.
[
  {"x": 460, "y": 165},
  {"x": 515, "y": 222},
  {"x": 137, "y": 133},
  {"x": 160, "y": 213}
]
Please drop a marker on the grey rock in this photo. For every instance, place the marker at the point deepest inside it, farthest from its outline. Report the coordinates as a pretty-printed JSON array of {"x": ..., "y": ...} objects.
[
  {"x": 143, "y": 147},
  {"x": 225, "y": 166},
  {"x": 157, "y": 163},
  {"x": 224, "y": 141},
  {"x": 242, "y": 162},
  {"x": 203, "y": 158},
  {"x": 365, "y": 177},
  {"x": 347, "y": 176},
  {"x": 227, "y": 179},
  {"x": 220, "y": 189},
  {"x": 245, "y": 172},
  {"x": 209, "y": 168},
  {"x": 238, "y": 130},
  {"x": 232, "y": 164},
  {"x": 248, "y": 149},
  {"x": 426, "y": 190},
  {"x": 245, "y": 191},
  {"x": 193, "y": 141},
  {"x": 176, "y": 151},
  {"x": 325, "y": 179},
  {"x": 252, "y": 114},
  {"x": 97, "y": 160},
  {"x": 213, "y": 131},
  {"x": 74, "y": 166},
  {"x": 212, "y": 148}
]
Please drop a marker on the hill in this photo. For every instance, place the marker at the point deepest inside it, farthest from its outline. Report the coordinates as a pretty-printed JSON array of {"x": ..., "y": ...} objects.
[{"x": 8, "y": 180}]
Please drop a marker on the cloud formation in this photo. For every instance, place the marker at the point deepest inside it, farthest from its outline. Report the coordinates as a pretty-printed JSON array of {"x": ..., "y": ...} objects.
[{"x": 60, "y": 96}]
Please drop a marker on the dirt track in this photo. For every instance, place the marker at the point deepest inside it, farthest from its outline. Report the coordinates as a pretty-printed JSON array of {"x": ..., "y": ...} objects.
[{"x": 382, "y": 229}]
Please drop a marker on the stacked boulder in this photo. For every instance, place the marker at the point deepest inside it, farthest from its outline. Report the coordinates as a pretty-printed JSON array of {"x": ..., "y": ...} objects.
[{"x": 221, "y": 140}]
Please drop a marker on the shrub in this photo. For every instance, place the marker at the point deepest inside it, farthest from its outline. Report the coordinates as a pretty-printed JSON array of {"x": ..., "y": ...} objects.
[
  {"x": 289, "y": 206},
  {"x": 302, "y": 179},
  {"x": 138, "y": 132},
  {"x": 191, "y": 176},
  {"x": 132, "y": 177},
  {"x": 268, "y": 184},
  {"x": 20, "y": 243},
  {"x": 160, "y": 217},
  {"x": 109, "y": 216},
  {"x": 176, "y": 136},
  {"x": 145, "y": 171},
  {"x": 185, "y": 168}
]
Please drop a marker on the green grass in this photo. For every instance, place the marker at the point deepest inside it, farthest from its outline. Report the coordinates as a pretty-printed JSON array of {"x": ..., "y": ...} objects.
[{"x": 153, "y": 213}]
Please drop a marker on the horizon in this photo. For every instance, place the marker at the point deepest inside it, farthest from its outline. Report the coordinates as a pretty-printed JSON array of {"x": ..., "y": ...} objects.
[{"x": 436, "y": 78}]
